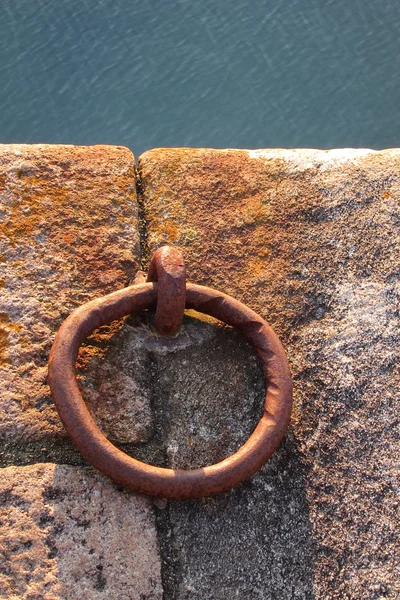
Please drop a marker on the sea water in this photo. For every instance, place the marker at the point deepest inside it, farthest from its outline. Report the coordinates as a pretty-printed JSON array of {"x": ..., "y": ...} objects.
[{"x": 215, "y": 73}]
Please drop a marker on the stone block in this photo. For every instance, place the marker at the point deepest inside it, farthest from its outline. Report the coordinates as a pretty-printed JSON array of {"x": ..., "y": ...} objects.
[
  {"x": 68, "y": 533},
  {"x": 310, "y": 240},
  {"x": 68, "y": 234}
]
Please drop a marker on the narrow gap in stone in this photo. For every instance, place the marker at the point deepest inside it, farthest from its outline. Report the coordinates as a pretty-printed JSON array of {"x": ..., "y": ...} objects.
[
  {"x": 165, "y": 534},
  {"x": 142, "y": 222},
  {"x": 168, "y": 557}
]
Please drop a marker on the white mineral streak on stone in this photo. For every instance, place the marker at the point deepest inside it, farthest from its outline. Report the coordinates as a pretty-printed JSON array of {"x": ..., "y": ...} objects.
[
  {"x": 67, "y": 533},
  {"x": 302, "y": 160},
  {"x": 358, "y": 335}
]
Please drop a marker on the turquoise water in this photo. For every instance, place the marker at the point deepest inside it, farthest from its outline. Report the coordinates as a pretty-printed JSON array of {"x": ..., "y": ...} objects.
[{"x": 288, "y": 73}]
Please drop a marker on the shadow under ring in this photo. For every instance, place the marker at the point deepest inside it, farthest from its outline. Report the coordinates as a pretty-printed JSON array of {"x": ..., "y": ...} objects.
[{"x": 134, "y": 474}]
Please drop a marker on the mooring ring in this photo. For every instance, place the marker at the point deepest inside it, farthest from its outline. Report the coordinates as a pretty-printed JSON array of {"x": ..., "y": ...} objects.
[
  {"x": 141, "y": 477},
  {"x": 167, "y": 267}
]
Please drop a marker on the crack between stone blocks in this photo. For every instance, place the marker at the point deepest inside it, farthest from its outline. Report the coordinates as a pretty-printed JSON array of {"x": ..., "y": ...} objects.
[
  {"x": 164, "y": 530},
  {"x": 142, "y": 221}
]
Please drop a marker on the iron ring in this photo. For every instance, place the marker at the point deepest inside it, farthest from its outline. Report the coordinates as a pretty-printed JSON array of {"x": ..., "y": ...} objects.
[
  {"x": 141, "y": 477},
  {"x": 168, "y": 268}
]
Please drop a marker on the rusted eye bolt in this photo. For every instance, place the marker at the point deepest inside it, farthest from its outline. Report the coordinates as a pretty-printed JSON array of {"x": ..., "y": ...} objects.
[{"x": 166, "y": 288}]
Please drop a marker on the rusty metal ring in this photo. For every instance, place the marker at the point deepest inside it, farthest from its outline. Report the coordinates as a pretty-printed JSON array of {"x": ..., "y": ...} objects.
[
  {"x": 148, "y": 479},
  {"x": 168, "y": 268}
]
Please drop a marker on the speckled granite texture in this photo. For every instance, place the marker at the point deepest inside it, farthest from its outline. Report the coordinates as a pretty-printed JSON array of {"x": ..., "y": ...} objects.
[
  {"x": 67, "y": 532},
  {"x": 310, "y": 240},
  {"x": 68, "y": 233}
]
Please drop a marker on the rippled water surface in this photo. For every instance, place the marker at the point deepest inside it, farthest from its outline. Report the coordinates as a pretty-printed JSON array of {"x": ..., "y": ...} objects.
[{"x": 218, "y": 73}]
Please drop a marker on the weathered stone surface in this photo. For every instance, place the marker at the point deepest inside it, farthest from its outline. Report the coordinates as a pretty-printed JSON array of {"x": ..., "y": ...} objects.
[
  {"x": 68, "y": 233},
  {"x": 208, "y": 397},
  {"x": 309, "y": 239},
  {"x": 68, "y": 533},
  {"x": 116, "y": 383}
]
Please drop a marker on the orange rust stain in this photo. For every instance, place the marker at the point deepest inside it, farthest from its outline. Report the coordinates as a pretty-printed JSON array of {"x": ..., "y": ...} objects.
[
  {"x": 28, "y": 210},
  {"x": 69, "y": 239},
  {"x": 4, "y": 333},
  {"x": 255, "y": 268},
  {"x": 67, "y": 206},
  {"x": 104, "y": 333},
  {"x": 253, "y": 210},
  {"x": 167, "y": 230},
  {"x": 2, "y": 283},
  {"x": 40, "y": 200},
  {"x": 386, "y": 194},
  {"x": 97, "y": 344},
  {"x": 87, "y": 353},
  {"x": 6, "y": 326}
]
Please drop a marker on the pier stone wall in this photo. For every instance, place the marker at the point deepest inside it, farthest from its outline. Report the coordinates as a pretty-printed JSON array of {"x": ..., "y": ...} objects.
[{"x": 310, "y": 240}]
